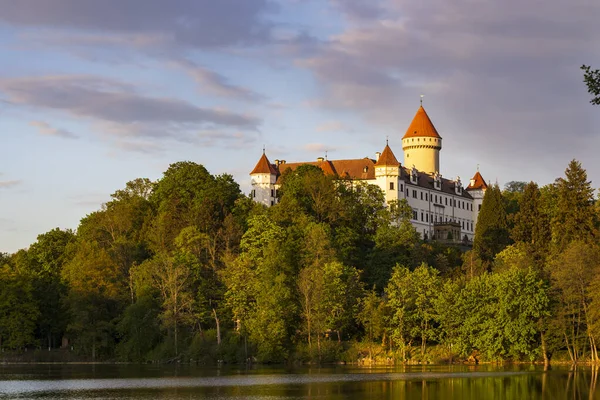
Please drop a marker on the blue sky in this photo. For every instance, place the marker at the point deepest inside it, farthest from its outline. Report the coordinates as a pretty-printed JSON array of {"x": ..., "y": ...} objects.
[{"x": 96, "y": 93}]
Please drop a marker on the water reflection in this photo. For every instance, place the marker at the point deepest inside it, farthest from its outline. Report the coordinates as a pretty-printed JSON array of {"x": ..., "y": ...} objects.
[{"x": 431, "y": 382}]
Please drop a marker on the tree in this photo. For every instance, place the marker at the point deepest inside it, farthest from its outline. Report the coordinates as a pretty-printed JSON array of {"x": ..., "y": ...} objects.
[
  {"x": 372, "y": 317},
  {"x": 96, "y": 296},
  {"x": 425, "y": 283},
  {"x": 512, "y": 193},
  {"x": 592, "y": 81},
  {"x": 532, "y": 224},
  {"x": 401, "y": 304},
  {"x": 172, "y": 277},
  {"x": 18, "y": 309},
  {"x": 575, "y": 217},
  {"x": 497, "y": 314},
  {"x": 491, "y": 232},
  {"x": 572, "y": 272},
  {"x": 47, "y": 257}
]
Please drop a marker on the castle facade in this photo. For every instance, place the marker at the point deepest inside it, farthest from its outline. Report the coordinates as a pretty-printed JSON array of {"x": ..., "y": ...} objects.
[{"x": 442, "y": 209}]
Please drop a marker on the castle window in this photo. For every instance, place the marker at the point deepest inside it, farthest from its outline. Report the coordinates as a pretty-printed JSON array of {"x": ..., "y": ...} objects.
[
  {"x": 253, "y": 193},
  {"x": 391, "y": 185},
  {"x": 365, "y": 169},
  {"x": 415, "y": 215},
  {"x": 402, "y": 187},
  {"x": 422, "y": 217},
  {"x": 446, "y": 200},
  {"x": 426, "y": 199},
  {"x": 272, "y": 193},
  {"x": 426, "y": 217},
  {"x": 479, "y": 207},
  {"x": 271, "y": 202},
  {"x": 421, "y": 195},
  {"x": 436, "y": 198},
  {"x": 414, "y": 194}
]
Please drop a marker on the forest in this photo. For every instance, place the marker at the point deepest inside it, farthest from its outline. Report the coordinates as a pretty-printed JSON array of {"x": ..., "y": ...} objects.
[{"x": 188, "y": 269}]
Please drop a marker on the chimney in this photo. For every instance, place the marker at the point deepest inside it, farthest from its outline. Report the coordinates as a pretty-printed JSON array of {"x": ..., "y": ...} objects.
[
  {"x": 281, "y": 161},
  {"x": 276, "y": 162},
  {"x": 377, "y": 154},
  {"x": 320, "y": 159}
]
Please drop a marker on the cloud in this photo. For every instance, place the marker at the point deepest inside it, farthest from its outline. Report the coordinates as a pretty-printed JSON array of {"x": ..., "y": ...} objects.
[
  {"x": 359, "y": 9},
  {"x": 139, "y": 146},
  {"x": 182, "y": 23},
  {"x": 231, "y": 140},
  {"x": 333, "y": 126},
  {"x": 502, "y": 75},
  {"x": 214, "y": 83},
  {"x": 45, "y": 129},
  {"x": 318, "y": 147},
  {"x": 118, "y": 107},
  {"x": 9, "y": 184}
]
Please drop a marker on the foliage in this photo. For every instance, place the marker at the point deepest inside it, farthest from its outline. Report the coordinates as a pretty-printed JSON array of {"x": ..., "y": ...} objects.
[
  {"x": 187, "y": 268},
  {"x": 575, "y": 216},
  {"x": 592, "y": 80},
  {"x": 491, "y": 231}
]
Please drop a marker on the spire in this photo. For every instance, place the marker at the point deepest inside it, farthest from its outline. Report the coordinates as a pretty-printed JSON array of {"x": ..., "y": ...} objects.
[
  {"x": 263, "y": 166},
  {"x": 387, "y": 157},
  {"x": 421, "y": 126}
]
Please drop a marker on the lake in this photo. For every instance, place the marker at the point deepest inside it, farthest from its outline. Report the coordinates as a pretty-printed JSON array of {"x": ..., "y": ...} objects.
[{"x": 103, "y": 381}]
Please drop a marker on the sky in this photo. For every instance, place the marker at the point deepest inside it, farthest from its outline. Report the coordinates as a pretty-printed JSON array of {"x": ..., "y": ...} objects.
[{"x": 94, "y": 94}]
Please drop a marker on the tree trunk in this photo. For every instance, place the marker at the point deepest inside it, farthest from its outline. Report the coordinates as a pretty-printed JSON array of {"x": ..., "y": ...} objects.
[
  {"x": 571, "y": 355},
  {"x": 218, "y": 327},
  {"x": 176, "y": 345},
  {"x": 545, "y": 350}
]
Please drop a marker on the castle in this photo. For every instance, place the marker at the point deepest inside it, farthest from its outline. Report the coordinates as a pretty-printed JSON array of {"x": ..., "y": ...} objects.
[{"x": 442, "y": 208}]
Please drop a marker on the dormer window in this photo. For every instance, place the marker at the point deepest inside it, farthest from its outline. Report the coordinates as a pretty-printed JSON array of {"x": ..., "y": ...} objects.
[
  {"x": 458, "y": 185},
  {"x": 414, "y": 177},
  {"x": 437, "y": 181}
]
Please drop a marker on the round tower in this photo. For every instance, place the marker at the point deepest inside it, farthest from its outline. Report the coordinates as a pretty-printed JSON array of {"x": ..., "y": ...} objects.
[{"x": 422, "y": 144}]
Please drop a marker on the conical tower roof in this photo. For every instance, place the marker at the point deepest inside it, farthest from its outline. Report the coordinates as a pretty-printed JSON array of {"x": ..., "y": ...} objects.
[
  {"x": 421, "y": 126},
  {"x": 387, "y": 157},
  {"x": 477, "y": 182},
  {"x": 263, "y": 166}
]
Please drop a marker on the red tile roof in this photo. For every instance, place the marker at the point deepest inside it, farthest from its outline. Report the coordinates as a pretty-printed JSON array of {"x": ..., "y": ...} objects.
[
  {"x": 478, "y": 182},
  {"x": 387, "y": 157},
  {"x": 421, "y": 126},
  {"x": 263, "y": 166},
  {"x": 363, "y": 168}
]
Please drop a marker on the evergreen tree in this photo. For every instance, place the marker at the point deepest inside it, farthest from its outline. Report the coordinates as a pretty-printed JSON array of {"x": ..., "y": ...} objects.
[
  {"x": 531, "y": 224},
  {"x": 491, "y": 232},
  {"x": 575, "y": 217}
]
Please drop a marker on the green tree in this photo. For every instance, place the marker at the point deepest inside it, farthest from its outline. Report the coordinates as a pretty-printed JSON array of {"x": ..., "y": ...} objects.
[
  {"x": 47, "y": 257},
  {"x": 18, "y": 309},
  {"x": 532, "y": 225},
  {"x": 372, "y": 317},
  {"x": 572, "y": 272},
  {"x": 401, "y": 302},
  {"x": 512, "y": 193},
  {"x": 97, "y": 294},
  {"x": 425, "y": 284},
  {"x": 491, "y": 232},
  {"x": 592, "y": 80},
  {"x": 575, "y": 217},
  {"x": 139, "y": 329}
]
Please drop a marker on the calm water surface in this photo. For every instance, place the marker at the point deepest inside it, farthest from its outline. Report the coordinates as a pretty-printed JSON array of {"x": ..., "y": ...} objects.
[{"x": 84, "y": 381}]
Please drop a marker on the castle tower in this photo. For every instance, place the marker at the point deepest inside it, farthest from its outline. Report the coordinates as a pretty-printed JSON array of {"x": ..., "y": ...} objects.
[
  {"x": 387, "y": 174},
  {"x": 422, "y": 144},
  {"x": 476, "y": 189},
  {"x": 264, "y": 176}
]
